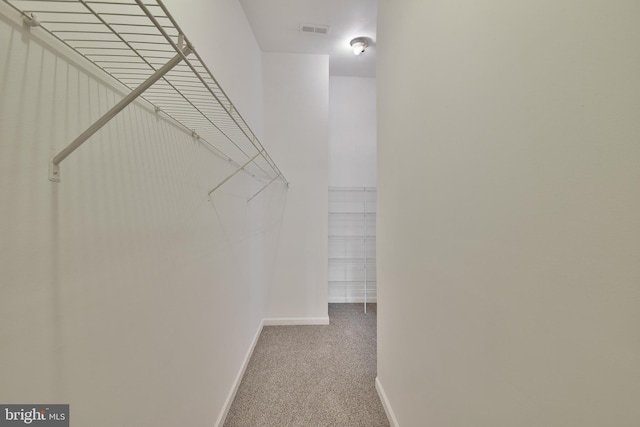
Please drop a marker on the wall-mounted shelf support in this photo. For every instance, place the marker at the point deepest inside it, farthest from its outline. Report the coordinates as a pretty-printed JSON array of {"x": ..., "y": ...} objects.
[
  {"x": 260, "y": 191},
  {"x": 140, "y": 45},
  {"x": 54, "y": 167},
  {"x": 31, "y": 20},
  {"x": 235, "y": 172}
]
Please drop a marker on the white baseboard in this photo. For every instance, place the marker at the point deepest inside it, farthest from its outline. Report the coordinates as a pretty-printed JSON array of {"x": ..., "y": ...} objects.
[
  {"x": 386, "y": 405},
  {"x": 234, "y": 389},
  {"x": 285, "y": 321}
]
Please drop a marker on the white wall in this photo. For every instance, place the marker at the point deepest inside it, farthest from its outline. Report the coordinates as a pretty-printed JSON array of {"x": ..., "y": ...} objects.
[
  {"x": 508, "y": 215},
  {"x": 352, "y": 163},
  {"x": 296, "y": 117},
  {"x": 124, "y": 291},
  {"x": 352, "y": 132}
]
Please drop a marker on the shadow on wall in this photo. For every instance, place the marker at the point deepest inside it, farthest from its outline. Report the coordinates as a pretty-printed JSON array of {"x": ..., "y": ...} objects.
[
  {"x": 228, "y": 205},
  {"x": 275, "y": 203},
  {"x": 124, "y": 276}
]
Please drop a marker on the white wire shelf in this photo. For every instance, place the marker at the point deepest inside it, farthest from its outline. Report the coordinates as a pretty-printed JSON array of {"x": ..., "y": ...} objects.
[
  {"x": 352, "y": 244},
  {"x": 135, "y": 40}
]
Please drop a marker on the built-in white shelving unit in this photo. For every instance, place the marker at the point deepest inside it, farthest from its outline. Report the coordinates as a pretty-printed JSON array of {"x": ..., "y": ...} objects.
[
  {"x": 139, "y": 44},
  {"x": 352, "y": 244}
]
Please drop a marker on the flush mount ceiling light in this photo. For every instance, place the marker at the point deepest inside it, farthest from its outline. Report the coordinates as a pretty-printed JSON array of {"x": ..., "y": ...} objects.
[{"x": 359, "y": 44}]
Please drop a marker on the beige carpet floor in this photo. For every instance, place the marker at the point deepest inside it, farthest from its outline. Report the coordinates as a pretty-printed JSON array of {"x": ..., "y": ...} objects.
[{"x": 313, "y": 376}]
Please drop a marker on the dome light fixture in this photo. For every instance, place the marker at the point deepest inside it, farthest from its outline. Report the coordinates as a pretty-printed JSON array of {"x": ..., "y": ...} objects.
[{"x": 359, "y": 44}]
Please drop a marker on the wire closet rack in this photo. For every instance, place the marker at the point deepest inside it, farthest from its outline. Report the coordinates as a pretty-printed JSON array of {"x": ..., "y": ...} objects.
[
  {"x": 140, "y": 44},
  {"x": 352, "y": 245}
]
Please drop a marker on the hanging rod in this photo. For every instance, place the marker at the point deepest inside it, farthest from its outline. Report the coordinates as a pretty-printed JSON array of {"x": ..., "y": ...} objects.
[{"x": 140, "y": 45}]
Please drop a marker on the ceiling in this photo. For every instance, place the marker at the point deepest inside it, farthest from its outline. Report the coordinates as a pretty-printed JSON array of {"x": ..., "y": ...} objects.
[{"x": 276, "y": 26}]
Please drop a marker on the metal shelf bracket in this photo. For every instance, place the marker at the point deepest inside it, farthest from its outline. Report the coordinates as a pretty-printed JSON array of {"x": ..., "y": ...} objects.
[
  {"x": 54, "y": 172},
  {"x": 31, "y": 20},
  {"x": 260, "y": 191},
  {"x": 234, "y": 173},
  {"x": 140, "y": 45},
  {"x": 54, "y": 166}
]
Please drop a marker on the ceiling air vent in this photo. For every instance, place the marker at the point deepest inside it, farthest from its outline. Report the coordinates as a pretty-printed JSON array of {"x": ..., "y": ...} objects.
[{"x": 318, "y": 29}]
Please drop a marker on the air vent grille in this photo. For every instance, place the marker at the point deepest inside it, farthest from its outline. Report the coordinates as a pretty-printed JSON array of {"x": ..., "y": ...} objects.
[{"x": 310, "y": 28}]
